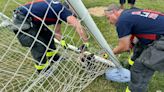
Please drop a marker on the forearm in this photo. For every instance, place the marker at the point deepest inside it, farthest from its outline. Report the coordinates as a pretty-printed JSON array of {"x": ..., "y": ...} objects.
[
  {"x": 82, "y": 34},
  {"x": 76, "y": 24},
  {"x": 58, "y": 34},
  {"x": 123, "y": 45},
  {"x": 119, "y": 49}
]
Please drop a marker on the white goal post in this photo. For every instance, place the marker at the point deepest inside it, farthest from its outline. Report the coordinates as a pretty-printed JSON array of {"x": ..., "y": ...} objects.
[
  {"x": 17, "y": 72},
  {"x": 85, "y": 16}
]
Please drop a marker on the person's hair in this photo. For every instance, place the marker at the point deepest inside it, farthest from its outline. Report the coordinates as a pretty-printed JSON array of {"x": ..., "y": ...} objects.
[{"x": 112, "y": 7}]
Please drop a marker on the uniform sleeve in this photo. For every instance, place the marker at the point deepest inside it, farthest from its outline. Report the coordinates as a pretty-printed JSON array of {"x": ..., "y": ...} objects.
[
  {"x": 65, "y": 13},
  {"x": 124, "y": 28},
  {"x": 62, "y": 11}
]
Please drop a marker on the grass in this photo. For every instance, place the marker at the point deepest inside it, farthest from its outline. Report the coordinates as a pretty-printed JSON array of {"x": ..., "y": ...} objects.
[{"x": 100, "y": 84}]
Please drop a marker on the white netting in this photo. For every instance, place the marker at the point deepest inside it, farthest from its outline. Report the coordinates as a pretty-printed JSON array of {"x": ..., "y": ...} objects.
[{"x": 17, "y": 71}]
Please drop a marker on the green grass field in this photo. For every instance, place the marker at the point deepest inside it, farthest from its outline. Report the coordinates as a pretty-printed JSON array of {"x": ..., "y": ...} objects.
[{"x": 100, "y": 84}]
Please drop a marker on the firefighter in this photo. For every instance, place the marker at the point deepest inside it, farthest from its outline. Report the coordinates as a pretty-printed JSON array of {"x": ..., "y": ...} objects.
[
  {"x": 147, "y": 27},
  {"x": 33, "y": 19}
]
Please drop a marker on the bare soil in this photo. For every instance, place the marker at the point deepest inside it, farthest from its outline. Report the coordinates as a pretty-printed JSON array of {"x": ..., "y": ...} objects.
[{"x": 97, "y": 11}]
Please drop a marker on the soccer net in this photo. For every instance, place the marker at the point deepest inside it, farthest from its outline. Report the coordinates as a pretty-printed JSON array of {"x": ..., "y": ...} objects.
[{"x": 68, "y": 74}]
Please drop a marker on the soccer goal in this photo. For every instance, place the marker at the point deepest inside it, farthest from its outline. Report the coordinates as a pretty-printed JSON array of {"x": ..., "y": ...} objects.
[{"x": 70, "y": 74}]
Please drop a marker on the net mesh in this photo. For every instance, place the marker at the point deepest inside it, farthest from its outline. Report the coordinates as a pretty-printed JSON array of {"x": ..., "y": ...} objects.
[{"x": 68, "y": 74}]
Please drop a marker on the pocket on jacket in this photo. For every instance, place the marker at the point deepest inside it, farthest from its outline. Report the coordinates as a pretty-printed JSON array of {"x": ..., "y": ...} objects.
[{"x": 159, "y": 45}]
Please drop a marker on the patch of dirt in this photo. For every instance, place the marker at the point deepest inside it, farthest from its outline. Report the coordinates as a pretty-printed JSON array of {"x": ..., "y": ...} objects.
[{"x": 97, "y": 11}]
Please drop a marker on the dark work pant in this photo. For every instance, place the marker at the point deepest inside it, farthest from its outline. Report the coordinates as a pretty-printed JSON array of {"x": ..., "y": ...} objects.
[
  {"x": 150, "y": 60},
  {"x": 129, "y": 1},
  {"x": 140, "y": 76},
  {"x": 38, "y": 50},
  {"x": 38, "y": 38}
]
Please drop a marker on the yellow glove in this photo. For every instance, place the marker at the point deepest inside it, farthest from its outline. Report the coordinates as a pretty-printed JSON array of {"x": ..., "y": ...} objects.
[
  {"x": 130, "y": 61},
  {"x": 63, "y": 44}
]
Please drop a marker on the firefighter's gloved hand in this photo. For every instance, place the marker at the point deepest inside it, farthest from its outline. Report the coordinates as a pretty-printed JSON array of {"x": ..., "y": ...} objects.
[
  {"x": 84, "y": 47},
  {"x": 63, "y": 44}
]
